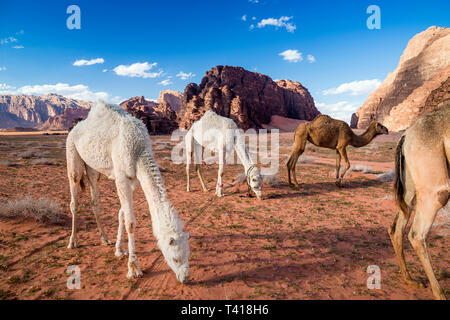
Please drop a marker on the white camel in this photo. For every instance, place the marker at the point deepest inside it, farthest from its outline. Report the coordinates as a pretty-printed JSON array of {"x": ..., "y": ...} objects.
[
  {"x": 221, "y": 135},
  {"x": 114, "y": 143}
]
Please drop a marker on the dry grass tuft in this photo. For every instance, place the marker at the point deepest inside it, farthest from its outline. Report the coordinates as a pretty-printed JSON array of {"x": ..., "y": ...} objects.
[
  {"x": 271, "y": 180},
  {"x": 7, "y": 163},
  {"x": 44, "y": 161},
  {"x": 306, "y": 159},
  {"x": 361, "y": 168},
  {"x": 42, "y": 210},
  {"x": 387, "y": 176}
]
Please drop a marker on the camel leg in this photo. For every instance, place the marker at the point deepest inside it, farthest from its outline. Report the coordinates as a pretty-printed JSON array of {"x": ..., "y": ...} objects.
[
  {"x": 188, "y": 182},
  {"x": 93, "y": 178},
  {"x": 125, "y": 191},
  {"x": 397, "y": 233},
  {"x": 338, "y": 164},
  {"x": 74, "y": 193},
  {"x": 75, "y": 169},
  {"x": 189, "y": 148},
  {"x": 292, "y": 162},
  {"x": 198, "y": 152},
  {"x": 219, "y": 186},
  {"x": 343, "y": 153},
  {"x": 120, "y": 251},
  {"x": 426, "y": 208},
  {"x": 199, "y": 173}
]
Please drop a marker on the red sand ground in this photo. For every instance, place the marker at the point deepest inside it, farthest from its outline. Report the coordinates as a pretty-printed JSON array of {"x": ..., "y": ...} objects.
[{"x": 312, "y": 243}]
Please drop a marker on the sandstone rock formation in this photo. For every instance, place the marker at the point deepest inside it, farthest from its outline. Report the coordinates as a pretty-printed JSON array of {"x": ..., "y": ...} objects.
[
  {"x": 249, "y": 98},
  {"x": 159, "y": 118},
  {"x": 30, "y": 110},
  {"x": 65, "y": 120},
  {"x": 172, "y": 98},
  {"x": 296, "y": 95},
  {"x": 419, "y": 83}
]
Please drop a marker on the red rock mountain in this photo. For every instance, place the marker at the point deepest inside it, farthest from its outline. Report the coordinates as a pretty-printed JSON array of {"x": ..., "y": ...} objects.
[
  {"x": 64, "y": 120},
  {"x": 159, "y": 118},
  {"x": 31, "y": 111},
  {"x": 249, "y": 98},
  {"x": 418, "y": 85},
  {"x": 172, "y": 98}
]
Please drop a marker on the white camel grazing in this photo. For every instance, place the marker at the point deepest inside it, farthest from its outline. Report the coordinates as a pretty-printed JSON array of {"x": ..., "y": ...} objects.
[
  {"x": 221, "y": 135},
  {"x": 114, "y": 143}
]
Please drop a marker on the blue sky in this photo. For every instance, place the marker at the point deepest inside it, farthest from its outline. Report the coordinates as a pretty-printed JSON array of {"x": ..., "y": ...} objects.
[{"x": 136, "y": 48}]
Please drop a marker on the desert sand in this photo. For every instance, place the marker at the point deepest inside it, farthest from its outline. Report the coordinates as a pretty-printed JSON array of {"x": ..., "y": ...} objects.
[{"x": 312, "y": 243}]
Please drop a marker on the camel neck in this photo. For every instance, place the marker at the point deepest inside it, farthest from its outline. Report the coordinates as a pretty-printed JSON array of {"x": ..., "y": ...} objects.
[
  {"x": 365, "y": 138},
  {"x": 149, "y": 176},
  {"x": 242, "y": 152}
]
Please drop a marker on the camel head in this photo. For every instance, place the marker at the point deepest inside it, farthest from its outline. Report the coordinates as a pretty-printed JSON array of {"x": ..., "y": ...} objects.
[
  {"x": 254, "y": 181},
  {"x": 379, "y": 128},
  {"x": 175, "y": 249},
  {"x": 174, "y": 245}
]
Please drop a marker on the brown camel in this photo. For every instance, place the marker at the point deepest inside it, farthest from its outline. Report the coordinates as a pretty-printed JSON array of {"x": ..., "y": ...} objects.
[
  {"x": 327, "y": 132},
  {"x": 422, "y": 184}
]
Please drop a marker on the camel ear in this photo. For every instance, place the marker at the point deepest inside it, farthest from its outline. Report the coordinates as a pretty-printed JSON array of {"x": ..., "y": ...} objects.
[{"x": 172, "y": 241}]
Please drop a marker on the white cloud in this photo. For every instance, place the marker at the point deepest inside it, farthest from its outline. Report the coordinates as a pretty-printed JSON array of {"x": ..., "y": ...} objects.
[
  {"x": 83, "y": 62},
  {"x": 2, "y": 68},
  {"x": 253, "y": 1},
  {"x": 4, "y": 86},
  {"x": 8, "y": 40},
  {"x": 310, "y": 58},
  {"x": 278, "y": 23},
  {"x": 244, "y": 17},
  {"x": 79, "y": 91},
  {"x": 291, "y": 55},
  {"x": 341, "y": 110},
  {"x": 138, "y": 70},
  {"x": 18, "y": 47},
  {"x": 165, "y": 82},
  {"x": 253, "y": 18},
  {"x": 354, "y": 88},
  {"x": 185, "y": 76},
  {"x": 252, "y": 26},
  {"x": 105, "y": 70},
  {"x": 20, "y": 32}
]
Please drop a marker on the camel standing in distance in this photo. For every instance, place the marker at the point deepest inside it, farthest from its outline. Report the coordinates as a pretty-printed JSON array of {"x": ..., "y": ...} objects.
[
  {"x": 221, "y": 135},
  {"x": 114, "y": 143},
  {"x": 327, "y": 132},
  {"x": 422, "y": 184}
]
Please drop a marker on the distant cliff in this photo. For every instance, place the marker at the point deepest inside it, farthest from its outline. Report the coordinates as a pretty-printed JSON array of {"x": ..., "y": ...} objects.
[
  {"x": 417, "y": 85},
  {"x": 33, "y": 111}
]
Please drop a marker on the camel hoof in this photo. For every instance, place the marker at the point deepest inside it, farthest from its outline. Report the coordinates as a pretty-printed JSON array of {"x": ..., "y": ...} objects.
[
  {"x": 106, "y": 242},
  {"x": 339, "y": 183},
  {"x": 414, "y": 284},
  {"x": 72, "y": 244},
  {"x": 134, "y": 273},
  {"x": 121, "y": 253}
]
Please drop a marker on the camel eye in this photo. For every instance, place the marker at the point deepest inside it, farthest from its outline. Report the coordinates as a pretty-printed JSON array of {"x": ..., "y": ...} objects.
[{"x": 176, "y": 260}]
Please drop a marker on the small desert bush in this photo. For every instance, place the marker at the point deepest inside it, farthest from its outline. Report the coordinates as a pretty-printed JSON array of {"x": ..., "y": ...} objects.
[
  {"x": 44, "y": 161},
  {"x": 7, "y": 163},
  {"x": 361, "y": 168},
  {"x": 26, "y": 154},
  {"x": 42, "y": 210},
  {"x": 387, "y": 176},
  {"x": 271, "y": 180},
  {"x": 306, "y": 159}
]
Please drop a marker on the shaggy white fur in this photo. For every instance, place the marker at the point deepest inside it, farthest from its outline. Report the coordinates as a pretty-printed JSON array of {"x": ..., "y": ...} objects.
[
  {"x": 112, "y": 142},
  {"x": 221, "y": 135}
]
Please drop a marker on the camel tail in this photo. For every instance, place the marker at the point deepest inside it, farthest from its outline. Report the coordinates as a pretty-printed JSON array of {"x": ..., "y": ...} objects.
[{"x": 399, "y": 180}]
